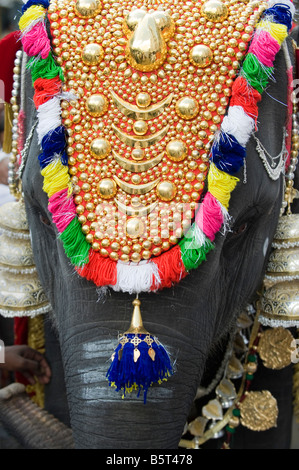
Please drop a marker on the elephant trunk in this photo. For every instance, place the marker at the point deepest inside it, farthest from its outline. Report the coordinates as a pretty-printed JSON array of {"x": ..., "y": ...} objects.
[{"x": 32, "y": 426}]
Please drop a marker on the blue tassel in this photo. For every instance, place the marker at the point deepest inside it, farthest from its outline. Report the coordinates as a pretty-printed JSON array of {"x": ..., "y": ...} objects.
[
  {"x": 281, "y": 14},
  {"x": 53, "y": 143},
  {"x": 30, "y": 3},
  {"x": 227, "y": 154},
  {"x": 139, "y": 361}
]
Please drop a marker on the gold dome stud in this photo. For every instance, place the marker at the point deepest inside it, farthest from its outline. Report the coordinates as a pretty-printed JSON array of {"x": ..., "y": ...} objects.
[
  {"x": 187, "y": 108},
  {"x": 166, "y": 190},
  {"x": 100, "y": 148},
  {"x": 214, "y": 10},
  {"x": 176, "y": 150},
  {"x": 201, "y": 56},
  {"x": 107, "y": 188},
  {"x": 96, "y": 105},
  {"x": 138, "y": 154},
  {"x": 140, "y": 127},
  {"x": 143, "y": 100},
  {"x": 134, "y": 227},
  {"x": 92, "y": 54},
  {"x": 88, "y": 8}
]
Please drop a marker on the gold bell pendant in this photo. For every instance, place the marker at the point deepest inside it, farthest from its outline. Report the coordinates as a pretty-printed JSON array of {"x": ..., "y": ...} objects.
[{"x": 136, "y": 326}]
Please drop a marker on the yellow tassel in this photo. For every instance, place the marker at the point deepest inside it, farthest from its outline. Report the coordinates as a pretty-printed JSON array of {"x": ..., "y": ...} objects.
[
  {"x": 33, "y": 13},
  {"x": 221, "y": 185},
  {"x": 277, "y": 31},
  {"x": 7, "y": 139},
  {"x": 56, "y": 178},
  {"x": 36, "y": 340}
]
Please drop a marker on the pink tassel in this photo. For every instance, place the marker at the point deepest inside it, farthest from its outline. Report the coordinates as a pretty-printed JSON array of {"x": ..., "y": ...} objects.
[
  {"x": 264, "y": 47},
  {"x": 209, "y": 217},
  {"x": 62, "y": 208},
  {"x": 36, "y": 41}
]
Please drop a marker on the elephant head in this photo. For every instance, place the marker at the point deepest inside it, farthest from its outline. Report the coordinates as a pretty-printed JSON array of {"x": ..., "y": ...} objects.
[{"x": 192, "y": 318}]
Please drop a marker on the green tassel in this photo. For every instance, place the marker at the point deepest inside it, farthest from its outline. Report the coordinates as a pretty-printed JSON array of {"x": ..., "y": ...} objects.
[
  {"x": 192, "y": 253},
  {"x": 44, "y": 68},
  {"x": 75, "y": 245},
  {"x": 255, "y": 73}
]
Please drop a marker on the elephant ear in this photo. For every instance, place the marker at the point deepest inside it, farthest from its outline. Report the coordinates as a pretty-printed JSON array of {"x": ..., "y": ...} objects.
[{"x": 9, "y": 46}]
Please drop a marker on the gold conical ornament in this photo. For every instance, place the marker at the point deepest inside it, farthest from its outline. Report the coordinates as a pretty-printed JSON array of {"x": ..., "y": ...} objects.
[{"x": 21, "y": 293}]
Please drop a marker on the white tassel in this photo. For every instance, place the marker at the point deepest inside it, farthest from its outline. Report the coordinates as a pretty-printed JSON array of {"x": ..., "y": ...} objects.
[
  {"x": 49, "y": 117},
  {"x": 227, "y": 219},
  {"x": 198, "y": 239},
  {"x": 238, "y": 124},
  {"x": 134, "y": 278}
]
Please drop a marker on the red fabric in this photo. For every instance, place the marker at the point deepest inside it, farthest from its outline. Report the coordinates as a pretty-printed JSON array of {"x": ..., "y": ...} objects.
[
  {"x": 9, "y": 46},
  {"x": 21, "y": 337}
]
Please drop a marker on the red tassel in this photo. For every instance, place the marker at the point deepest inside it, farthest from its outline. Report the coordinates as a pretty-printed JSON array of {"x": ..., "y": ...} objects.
[
  {"x": 171, "y": 268},
  {"x": 45, "y": 89},
  {"x": 102, "y": 271},
  {"x": 245, "y": 96}
]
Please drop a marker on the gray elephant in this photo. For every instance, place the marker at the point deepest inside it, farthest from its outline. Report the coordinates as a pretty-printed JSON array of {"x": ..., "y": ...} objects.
[{"x": 195, "y": 318}]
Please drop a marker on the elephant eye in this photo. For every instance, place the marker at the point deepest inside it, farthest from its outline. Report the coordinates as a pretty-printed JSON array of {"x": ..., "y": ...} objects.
[
  {"x": 44, "y": 220},
  {"x": 240, "y": 229}
]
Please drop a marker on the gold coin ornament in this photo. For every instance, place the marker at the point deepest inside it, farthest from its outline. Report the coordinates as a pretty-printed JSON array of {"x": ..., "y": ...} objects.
[
  {"x": 259, "y": 411},
  {"x": 275, "y": 348}
]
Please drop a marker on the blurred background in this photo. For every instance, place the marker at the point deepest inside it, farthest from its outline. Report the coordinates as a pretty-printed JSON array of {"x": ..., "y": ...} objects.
[{"x": 10, "y": 12}]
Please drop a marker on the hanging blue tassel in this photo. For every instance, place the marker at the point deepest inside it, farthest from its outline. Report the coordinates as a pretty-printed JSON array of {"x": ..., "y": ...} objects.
[
  {"x": 227, "y": 154},
  {"x": 30, "y": 3},
  {"x": 139, "y": 360}
]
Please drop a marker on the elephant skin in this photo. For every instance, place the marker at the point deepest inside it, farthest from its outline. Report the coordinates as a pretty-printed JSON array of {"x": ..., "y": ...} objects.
[{"x": 192, "y": 319}]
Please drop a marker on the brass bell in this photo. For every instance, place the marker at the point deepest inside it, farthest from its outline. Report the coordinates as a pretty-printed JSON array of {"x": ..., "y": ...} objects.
[
  {"x": 283, "y": 265},
  {"x": 279, "y": 305},
  {"x": 287, "y": 232},
  {"x": 21, "y": 293}
]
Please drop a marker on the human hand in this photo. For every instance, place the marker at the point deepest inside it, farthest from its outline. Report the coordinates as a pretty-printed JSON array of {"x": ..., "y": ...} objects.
[
  {"x": 4, "y": 171},
  {"x": 29, "y": 362}
]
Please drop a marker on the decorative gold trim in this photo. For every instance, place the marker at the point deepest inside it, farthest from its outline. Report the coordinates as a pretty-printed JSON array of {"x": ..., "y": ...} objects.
[
  {"x": 275, "y": 317},
  {"x": 140, "y": 142},
  {"x": 134, "y": 112},
  {"x": 134, "y": 188},
  {"x": 137, "y": 167}
]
